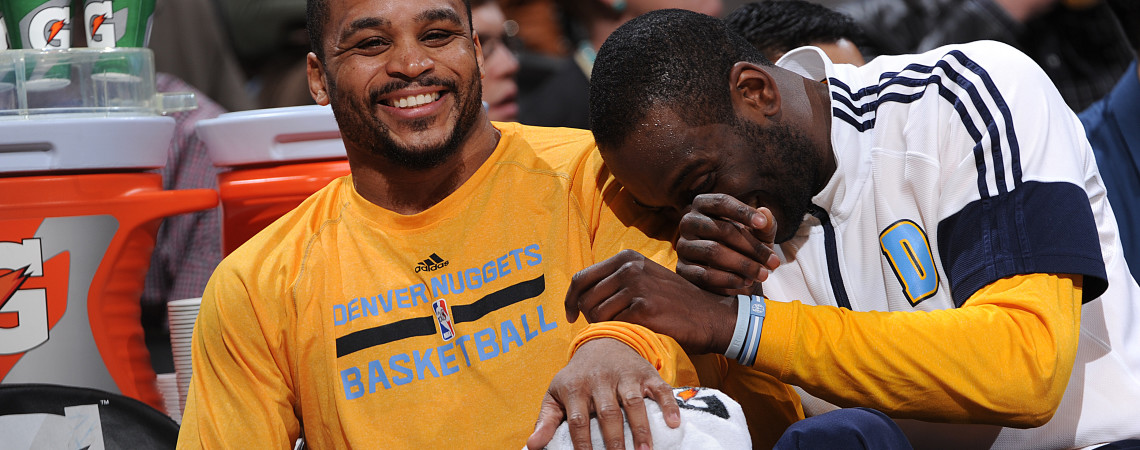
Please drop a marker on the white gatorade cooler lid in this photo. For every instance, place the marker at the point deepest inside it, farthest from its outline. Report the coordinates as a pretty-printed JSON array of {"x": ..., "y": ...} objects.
[
  {"x": 84, "y": 143},
  {"x": 294, "y": 133}
]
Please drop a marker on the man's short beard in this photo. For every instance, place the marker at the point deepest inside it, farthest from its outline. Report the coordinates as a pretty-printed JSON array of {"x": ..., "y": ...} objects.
[
  {"x": 366, "y": 130},
  {"x": 791, "y": 148}
]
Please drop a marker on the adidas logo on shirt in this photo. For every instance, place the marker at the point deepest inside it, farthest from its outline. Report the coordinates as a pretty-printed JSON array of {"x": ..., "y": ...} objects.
[{"x": 432, "y": 263}]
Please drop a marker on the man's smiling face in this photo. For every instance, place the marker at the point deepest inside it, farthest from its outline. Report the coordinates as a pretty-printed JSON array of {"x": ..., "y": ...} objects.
[{"x": 403, "y": 77}]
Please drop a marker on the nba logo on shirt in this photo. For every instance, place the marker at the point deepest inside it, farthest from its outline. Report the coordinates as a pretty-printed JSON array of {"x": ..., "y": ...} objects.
[{"x": 446, "y": 326}]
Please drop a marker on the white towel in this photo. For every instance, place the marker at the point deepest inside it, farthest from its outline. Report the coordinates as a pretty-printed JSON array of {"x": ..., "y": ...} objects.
[{"x": 709, "y": 420}]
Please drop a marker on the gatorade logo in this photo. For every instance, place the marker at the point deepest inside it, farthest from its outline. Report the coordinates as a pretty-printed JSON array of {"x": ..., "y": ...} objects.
[
  {"x": 48, "y": 28},
  {"x": 33, "y": 292},
  {"x": 100, "y": 26}
]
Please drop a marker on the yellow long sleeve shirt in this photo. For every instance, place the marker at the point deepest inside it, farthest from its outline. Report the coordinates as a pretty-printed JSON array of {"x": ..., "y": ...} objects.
[{"x": 927, "y": 365}]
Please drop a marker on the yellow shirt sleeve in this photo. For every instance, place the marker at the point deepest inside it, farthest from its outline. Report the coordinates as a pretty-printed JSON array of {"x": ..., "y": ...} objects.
[
  {"x": 661, "y": 351},
  {"x": 1003, "y": 358},
  {"x": 239, "y": 394}
]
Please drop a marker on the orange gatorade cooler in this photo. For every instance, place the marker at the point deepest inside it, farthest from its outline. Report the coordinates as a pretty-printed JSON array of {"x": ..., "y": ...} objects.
[
  {"x": 78, "y": 217},
  {"x": 277, "y": 157}
]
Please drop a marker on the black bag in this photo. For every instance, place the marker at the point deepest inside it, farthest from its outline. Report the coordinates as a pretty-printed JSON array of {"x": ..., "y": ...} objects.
[{"x": 34, "y": 416}]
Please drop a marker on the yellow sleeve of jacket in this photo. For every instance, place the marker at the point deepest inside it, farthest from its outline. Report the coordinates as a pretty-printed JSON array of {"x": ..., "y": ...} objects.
[{"x": 1003, "y": 358}]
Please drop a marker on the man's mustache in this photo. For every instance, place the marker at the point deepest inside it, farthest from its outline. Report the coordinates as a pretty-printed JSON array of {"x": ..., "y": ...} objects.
[{"x": 375, "y": 94}]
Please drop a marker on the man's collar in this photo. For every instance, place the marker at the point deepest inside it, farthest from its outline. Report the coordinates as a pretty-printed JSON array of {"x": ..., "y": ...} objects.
[{"x": 808, "y": 62}]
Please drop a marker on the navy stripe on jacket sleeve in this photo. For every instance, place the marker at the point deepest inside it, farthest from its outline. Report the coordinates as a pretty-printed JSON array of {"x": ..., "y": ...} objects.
[{"x": 1037, "y": 228}]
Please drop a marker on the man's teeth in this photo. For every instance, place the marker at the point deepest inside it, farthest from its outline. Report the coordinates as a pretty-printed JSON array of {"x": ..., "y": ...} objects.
[{"x": 415, "y": 100}]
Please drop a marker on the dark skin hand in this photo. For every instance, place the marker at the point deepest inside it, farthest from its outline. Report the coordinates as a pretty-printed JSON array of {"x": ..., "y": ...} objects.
[
  {"x": 721, "y": 245},
  {"x": 605, "y": 377},
  {"x": 632, "y": 288},
  {"x": 726, "y": 246},
  {"x": 716, "y": 251}
]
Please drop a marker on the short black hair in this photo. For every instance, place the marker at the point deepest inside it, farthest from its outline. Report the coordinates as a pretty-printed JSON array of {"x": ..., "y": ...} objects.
[
  {"x": 671, "y": 57},
  {"x": 317, "y": 15},
  {"x": 777, "y": 26}
]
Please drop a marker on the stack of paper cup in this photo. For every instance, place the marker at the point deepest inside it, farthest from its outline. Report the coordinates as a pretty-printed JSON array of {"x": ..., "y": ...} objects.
[
  {"x": 182, "y": 315},
  {"x": 168, "y": 387}
]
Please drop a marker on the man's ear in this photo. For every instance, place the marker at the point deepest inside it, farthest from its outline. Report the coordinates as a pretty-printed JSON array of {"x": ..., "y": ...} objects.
[
  {"x": 479, "y": 57},
  {"x": 318, "y": 87},
  {"x": 754, "y": 90}
]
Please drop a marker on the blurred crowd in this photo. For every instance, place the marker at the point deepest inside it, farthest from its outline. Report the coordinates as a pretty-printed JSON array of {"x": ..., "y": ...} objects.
[
  {"x": 539, "y": 54},
  {"x": 250, "y": 54}
]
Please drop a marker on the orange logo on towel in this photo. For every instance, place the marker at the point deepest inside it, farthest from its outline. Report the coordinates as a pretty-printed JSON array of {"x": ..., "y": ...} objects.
[{"x": 688, "y": 394}]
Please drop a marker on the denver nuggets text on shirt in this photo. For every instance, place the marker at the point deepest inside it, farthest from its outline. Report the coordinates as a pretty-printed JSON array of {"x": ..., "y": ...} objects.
[
  {"x": 403, "y": 368},
  {"x": 398, "y": 368},
  {"x": 470, "y": 279}
]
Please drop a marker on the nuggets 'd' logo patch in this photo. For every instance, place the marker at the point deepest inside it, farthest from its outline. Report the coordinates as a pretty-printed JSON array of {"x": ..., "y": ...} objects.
[{"x": 907, "y": 249}]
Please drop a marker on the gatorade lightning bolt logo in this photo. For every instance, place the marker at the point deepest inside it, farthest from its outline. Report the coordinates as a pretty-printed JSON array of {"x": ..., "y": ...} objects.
[
  {"x": 100, "y": 21},
  {"x": 10, "y": 282},
  {"x": 56, "y": 27},
  {"x": 33, "y": 292},
  {"x": 96, "y": 23}
]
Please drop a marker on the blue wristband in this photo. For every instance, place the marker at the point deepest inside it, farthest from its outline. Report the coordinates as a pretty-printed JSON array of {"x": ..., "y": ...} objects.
[
  {"x": 751, "y": 344},
  {"x": 743, "y": 303}
]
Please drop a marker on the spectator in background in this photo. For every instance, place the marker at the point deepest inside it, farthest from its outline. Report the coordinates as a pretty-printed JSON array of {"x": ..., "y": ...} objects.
[
  {"x": 1079, "y": 43},
  {"x": 539, "y": 28},
  {"x": 1111, "y": 127},
  {"x": 190, "y": 42},
  {"x": 499, "y": 62},
  {"x": 188, "y": 246},
  {"x": 192, "y": 53},
  {"x": 562, "y": 99},
  {"x": 776, "y": 26},
  {"x": 270, "y": 41}
]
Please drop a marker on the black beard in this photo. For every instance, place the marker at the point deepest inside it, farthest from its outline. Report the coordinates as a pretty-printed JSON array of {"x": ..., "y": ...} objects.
[
  {"x": 791, "y": 148},
  {"x": 367, "y": 131}
]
